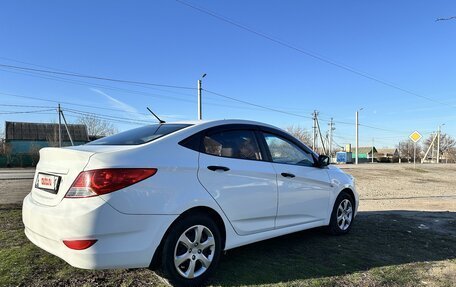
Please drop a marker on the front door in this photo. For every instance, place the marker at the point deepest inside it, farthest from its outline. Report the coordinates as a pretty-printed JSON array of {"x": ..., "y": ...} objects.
[{"x": 303, "y": 188}]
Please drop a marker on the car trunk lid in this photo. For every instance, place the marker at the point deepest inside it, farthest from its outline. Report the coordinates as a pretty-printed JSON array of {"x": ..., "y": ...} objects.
[{"x": 62, "y": 165}]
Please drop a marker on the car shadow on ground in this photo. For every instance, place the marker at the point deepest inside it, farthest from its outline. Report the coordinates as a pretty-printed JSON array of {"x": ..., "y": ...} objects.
[{"x": 376, "y": 239}]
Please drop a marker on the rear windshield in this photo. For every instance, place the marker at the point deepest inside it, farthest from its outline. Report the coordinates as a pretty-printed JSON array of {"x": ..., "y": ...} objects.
[{"x": 139, "y": 135}]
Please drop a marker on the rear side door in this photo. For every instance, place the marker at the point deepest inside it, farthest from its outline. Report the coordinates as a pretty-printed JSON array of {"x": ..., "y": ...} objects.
[
  {"x": 304, "y": 189},
  {"x": 233, "y": 170}
]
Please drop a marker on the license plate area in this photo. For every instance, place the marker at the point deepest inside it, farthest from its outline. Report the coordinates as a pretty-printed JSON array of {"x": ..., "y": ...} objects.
[{"x": 48, "y": 182}]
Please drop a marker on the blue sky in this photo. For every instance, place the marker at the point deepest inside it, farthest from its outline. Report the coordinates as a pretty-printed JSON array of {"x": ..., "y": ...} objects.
[{"x": 166, "y": 42}]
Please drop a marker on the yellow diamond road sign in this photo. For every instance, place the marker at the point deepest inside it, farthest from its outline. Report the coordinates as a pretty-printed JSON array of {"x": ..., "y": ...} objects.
[{"x": 415, "y": 136}]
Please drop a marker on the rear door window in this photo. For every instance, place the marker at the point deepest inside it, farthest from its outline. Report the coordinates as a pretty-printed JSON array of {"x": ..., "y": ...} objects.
[
  {"x": 140, "y": 135},
  {"x": 240, "y": 144}
]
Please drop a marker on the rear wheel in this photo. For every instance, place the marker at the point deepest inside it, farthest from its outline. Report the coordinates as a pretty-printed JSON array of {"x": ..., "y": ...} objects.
[
  {"x": 342, "y": 215},
  {"x": 191, "y": 251}
]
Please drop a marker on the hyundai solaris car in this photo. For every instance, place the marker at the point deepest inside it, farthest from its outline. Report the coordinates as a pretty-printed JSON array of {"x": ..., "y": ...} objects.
[{"x": 175, "y": 195}]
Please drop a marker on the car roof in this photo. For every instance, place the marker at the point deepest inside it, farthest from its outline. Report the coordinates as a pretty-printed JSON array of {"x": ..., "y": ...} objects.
[{"x": 210, "y": 123}]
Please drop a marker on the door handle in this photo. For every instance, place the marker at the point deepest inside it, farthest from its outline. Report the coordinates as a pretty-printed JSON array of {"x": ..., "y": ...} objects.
[
  {"x": 286, "y": 174},
  {"x": 217, "y": 167}
]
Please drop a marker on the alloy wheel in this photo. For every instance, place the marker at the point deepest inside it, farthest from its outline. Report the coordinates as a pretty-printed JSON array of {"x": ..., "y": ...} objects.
[
  {"x": 344, "y": 214},
  {"x": 194, "y": 251}
]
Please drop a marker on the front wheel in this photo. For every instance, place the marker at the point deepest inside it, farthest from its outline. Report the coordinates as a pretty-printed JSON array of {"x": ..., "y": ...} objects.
[
  {"x": 191, "y": 251},
  {"x": 342, "y": 215}
]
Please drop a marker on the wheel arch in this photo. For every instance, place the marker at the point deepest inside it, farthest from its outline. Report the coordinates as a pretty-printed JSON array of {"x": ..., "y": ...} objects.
[
  {"x": 350, "y": 192},
  {"x": 156, "y": 259}
]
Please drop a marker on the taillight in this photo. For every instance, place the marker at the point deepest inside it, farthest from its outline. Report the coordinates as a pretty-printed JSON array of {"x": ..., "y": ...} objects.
[
  {"x": 79, "y": 244},
  {"x": 101, "y": 181}
]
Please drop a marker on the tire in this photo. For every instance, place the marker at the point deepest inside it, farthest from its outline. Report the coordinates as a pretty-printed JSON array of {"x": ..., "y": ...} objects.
[
  {"x": 193, "y": 243},
  {"x": 342, "y": 215}
]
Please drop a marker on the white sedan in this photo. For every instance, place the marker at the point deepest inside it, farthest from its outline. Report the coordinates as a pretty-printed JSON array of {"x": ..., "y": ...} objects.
[{"x": 175, "y": 195}]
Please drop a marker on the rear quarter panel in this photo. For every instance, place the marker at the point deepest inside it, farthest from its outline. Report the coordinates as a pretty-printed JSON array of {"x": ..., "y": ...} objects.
[{"x": 172, "y": 190}]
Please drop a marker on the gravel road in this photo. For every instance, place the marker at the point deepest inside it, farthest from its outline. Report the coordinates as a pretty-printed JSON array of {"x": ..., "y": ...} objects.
[{"x": 429, "y": 187}]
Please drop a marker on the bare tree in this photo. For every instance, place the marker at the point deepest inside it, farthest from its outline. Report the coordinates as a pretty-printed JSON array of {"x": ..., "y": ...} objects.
[
  {"x": 447, "y": 144},
  {"x": 53, "y": 139},
  {"x": 6, "y": 151},
  {"x": 300, "y": 133},
  {"x": 406, "y": 149},
  {"x": 34, "y": 152},
  {"x": 97, "y": 127}
]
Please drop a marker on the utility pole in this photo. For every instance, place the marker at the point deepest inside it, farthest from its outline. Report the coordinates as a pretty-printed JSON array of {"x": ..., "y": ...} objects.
[
  {"x": 60, "y": 126},
  {"x": 331, "y": 129},
  {"x": 438, "y": 145},
  {"x": 200, "y": 111},
  {"x": 356, "y": 136},
  {"x": 200, "y": 103},
  {"x": 372, "y": 150},
  {"x": 314, "y": 129},
  {"x": 66, "y": 127},
  {"x": 429, "y": 148},
  {"x": 321, "y": 137}
]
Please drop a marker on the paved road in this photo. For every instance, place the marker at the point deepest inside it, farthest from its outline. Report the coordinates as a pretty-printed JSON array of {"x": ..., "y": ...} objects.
[
  {"x": 15, "y": 184},
  {"x": 16, "y": 173}
]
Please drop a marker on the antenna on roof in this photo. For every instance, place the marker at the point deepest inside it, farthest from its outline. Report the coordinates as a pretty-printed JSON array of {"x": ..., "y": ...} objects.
[{"x": 159, "y": 120}]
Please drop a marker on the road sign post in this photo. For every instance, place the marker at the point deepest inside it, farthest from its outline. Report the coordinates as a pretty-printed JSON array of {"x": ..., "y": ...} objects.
[{"x": 415, "y": 137}]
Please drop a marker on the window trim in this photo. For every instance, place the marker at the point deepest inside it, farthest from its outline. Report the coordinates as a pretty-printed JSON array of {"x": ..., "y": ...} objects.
[{"x": 258, "y": 131}]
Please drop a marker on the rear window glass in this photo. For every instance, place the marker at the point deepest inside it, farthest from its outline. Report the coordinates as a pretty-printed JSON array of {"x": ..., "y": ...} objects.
[{"x": 139, "y": 135}]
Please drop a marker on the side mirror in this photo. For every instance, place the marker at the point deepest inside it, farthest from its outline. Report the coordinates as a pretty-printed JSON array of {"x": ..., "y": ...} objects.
[{"x": 323, "y": 160}]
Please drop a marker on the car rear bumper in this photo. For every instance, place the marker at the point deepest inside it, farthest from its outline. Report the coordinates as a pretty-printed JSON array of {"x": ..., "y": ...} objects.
[{"x": 124, "y": 241}]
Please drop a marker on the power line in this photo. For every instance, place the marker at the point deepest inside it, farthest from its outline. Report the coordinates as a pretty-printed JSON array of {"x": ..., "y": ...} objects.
[
  {"x": 24, "y": 106},
  {"x": 179, "y": 99},
  {"x": 104, "y": 115},
  {"x": 294, "y": 114},
  {"x": 88, "y": 84},
  {"x": 211, "y": 92},
  {"x": 256, "y": 105},
  {"x": 55, "y": 78},
  {"x": 67, "y": 71},
  {"x": 94, "y": 77},
  {"x": 65, "y": 102},
  {"x": 66, "y": 80},
  {"x": 80, "y": 116},
  {"x": 24, "y": 112},
  {"x": 308, "y": 53}
]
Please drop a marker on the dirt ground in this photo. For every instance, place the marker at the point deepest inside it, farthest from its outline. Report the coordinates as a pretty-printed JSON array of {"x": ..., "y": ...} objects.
[{"x": 429, "y": 187}]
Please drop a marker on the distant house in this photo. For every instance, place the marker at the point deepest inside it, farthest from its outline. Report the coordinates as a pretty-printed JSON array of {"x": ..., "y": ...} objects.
[
  {"x": 364, "y": 153},
  {"x": 387, "y": 155},
  {"x": 23, "y": 140}
]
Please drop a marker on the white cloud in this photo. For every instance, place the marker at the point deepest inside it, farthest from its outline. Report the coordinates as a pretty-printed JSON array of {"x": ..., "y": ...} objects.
[
  {"x": 115, "y": 103},
  {"x": 132, "y": 112}
]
